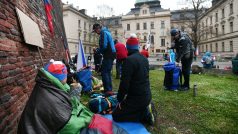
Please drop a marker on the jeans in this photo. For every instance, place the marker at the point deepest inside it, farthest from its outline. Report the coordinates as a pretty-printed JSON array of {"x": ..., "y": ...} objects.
[
  {"x": 106, "y": 74},
  {"x": 118, "y": 68}
]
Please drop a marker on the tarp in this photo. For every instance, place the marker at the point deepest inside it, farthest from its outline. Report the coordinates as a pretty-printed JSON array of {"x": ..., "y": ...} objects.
[{"x": 130, "y": 127}]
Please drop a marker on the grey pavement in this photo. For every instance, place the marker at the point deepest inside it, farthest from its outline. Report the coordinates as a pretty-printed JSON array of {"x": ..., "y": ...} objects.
[{"x": 222, "y": 65}]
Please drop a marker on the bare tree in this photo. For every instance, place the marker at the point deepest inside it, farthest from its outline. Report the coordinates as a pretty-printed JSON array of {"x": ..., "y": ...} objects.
[
  {"x": 197, "y": 31},
  {"x": 104, "y": 11}
]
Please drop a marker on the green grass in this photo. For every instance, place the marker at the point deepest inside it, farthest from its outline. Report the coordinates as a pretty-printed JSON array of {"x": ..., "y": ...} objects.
[{"x": 213, "y": 111}]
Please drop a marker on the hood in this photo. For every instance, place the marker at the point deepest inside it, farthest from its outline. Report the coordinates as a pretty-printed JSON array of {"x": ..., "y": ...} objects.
[{"x": 208, "y": 54}]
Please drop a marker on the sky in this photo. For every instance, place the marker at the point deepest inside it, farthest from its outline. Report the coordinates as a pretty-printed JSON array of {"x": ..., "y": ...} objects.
[{"x": 121, "y": 6}]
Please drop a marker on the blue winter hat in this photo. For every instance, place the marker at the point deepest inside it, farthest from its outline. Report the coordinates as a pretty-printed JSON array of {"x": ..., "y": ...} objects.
[{"x": 173, "y": 32}]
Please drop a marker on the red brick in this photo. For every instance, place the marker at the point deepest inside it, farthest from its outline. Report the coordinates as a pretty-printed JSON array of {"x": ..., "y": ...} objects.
[
  {"x": 4, "y": 74},
  {"x": 3, "y": 61},
  {"x": 12, "y": 60},
  {"x": 8, "y": 67},
  {"x": 3, "y": 82},
  {"x": 4, "y": 29},
  {"x": 3, "y": 16},
  {"x": 6, "y": 24}
]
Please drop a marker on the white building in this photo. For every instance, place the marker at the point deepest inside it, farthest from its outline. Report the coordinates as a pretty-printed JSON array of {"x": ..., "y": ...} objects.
[
  {"x": 147, "y": 17},
  {"x": 219, "y": 26},
  {"x": 78, "y": 26}
]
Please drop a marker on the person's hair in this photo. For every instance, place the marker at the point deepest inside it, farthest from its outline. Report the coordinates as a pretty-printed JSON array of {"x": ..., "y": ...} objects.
[
  {"x": 144, "y": 47},
  {"x": 96, "y": 26}
]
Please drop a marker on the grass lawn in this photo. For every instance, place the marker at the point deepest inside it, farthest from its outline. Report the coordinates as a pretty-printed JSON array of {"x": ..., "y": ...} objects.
[{"x": 213, "y": 111}]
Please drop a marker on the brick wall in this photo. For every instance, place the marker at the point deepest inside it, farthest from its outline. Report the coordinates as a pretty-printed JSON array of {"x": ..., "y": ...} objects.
[{"x": 19, "y": 61}]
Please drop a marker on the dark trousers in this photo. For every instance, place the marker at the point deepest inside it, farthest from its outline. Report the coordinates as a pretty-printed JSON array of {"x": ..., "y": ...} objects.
[
  {"x": 106, "y": 74},
  {"x": 118, "y": 68},
  {"x": 186, "y": 67},
  {"x": 130, "y": 113}
]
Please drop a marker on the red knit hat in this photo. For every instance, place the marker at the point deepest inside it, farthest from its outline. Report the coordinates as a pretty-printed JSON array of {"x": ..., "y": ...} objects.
[{"x": 132, "y": 42}]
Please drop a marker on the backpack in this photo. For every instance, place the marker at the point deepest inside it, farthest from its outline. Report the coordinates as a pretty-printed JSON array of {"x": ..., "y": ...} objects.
[{"x": 102, "y": 105}]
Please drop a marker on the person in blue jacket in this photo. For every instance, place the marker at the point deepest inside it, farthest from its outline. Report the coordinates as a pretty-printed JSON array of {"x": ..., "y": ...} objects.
[
  {"x": 207, "y": 60},
  {"x": 107, "y": 49}
]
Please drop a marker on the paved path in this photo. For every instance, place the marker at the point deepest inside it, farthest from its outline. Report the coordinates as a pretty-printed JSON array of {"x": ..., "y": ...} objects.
[{"x": 222, "y": 65}]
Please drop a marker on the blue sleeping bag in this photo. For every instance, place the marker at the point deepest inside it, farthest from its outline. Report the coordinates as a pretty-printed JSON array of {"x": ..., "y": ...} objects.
[{"x": 172, "y": 76}]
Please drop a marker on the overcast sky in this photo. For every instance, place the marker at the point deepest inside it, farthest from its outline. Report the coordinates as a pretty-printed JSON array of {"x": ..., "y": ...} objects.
[{"x": 122, "y": 6}]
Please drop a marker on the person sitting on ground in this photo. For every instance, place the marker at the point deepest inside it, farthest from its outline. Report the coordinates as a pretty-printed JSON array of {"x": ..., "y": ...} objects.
[
  {"x": 50, "y": 108},
  {"x": 144, "y": 52},
  {"x": 134, "y": 94},
  {"x": 121, "y": 52},
  {"x": 207, "y": 60}
]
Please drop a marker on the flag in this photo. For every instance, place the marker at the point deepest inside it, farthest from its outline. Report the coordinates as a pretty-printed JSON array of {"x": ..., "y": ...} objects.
[
  {"x": 196, "y": 52},
  {"x": 148, "y": 41},
  {"x": 81, "y": 61},
  {"x": 48, "y": 8}
]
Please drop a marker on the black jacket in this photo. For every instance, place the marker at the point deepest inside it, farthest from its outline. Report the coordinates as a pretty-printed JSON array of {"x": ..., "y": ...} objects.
[
  {"x": 50, "y": 105},
  {"x": 135, "y": 83},
  {"x": 183, "y": 46}
]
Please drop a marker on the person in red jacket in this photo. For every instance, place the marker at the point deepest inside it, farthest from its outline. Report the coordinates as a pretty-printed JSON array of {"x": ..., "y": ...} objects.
[
  {"x": 121, "y": 53},
  {"x": 144, "y": 52}
]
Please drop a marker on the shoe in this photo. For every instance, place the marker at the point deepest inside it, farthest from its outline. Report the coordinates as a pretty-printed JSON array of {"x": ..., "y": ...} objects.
[
  {"x": 151, "y": 117},
  {"x": 184, "y": 88}
]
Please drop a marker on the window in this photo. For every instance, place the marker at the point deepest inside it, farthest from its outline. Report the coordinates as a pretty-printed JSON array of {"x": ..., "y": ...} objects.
[
  {"x": 231, "y": 27},
  {"x": 137, "y": 26},
  {"x": 79, "y": 22},
  {"x": 116, "y": 22},
  {"x": 223, "y": 47},
  {"x": 182, "y": 16},
  {"x": 115, "y": 32},
  {"x": 85, "y": 25},
  {"x": 231, "y": 46},
  {"x": 216, "y": 17},
  {"x": 84, "y": 36},
  {"x": 162, "y": 24},
  {"x": 223, "y": 13},
  {"x": 211, "y": 47},
  {"x": 152, "y": 25},
  {"x": 89, "y": 26},
  {"x": 223, "y": 29},
  {"x": 79, "y": 35},
  {"x": 162, "y": 42},
  {"x": 206, "y": 48},
  {"x": 85, "y": 49},
  {"x": 202, "y": 48},
  {"x": 157, "y": 50},
  {"x": 216, "y": 47},
  {"x": 90, "y": 49},
  {"x": 210, "y": 20},
  {"x": 216, "y": 31},
  {"x": 144, "y": 26},
  {"x": 211, "y": 31},
  {"x": 206, "y": 22},
  {"x": 128, "y": 27},
  {"x": 145, "y": 39},
  {"x": 231, "y": 8},
  {"x": 144, "y": 11},
  {"x": 152, "y": 39}
]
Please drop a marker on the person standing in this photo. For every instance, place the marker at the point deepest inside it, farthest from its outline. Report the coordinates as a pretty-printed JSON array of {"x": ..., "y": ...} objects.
[
  {"x": 107, "y": 49},
  {"x": 184, "y": 53},
  {"x": 134, "y": 94},
  {"x": 97, "y": 56},
  {"x": 144, "y": 52},
  {"x": 121, "y": 52}
]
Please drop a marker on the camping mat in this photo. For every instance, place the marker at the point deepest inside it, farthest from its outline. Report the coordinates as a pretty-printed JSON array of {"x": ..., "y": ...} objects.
[{"x": 130, "y": 127}]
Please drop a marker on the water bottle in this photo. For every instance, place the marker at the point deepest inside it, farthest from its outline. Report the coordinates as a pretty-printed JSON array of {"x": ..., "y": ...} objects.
[{"x": 194, "y": 90}]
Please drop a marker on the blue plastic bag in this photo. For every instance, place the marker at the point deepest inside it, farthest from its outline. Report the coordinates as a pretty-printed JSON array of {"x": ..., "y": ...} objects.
[{"x": 85, "y": 79}]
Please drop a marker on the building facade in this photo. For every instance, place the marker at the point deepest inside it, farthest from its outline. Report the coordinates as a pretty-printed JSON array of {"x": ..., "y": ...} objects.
[
  {"x": 219, "y": 29},
  {"x": 78, "y": 26},
  {"x": 149, "y": 22}
]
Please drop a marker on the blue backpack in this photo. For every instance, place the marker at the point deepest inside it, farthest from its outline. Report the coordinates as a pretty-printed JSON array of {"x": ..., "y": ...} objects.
[{"x": 85, "y": 79}]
